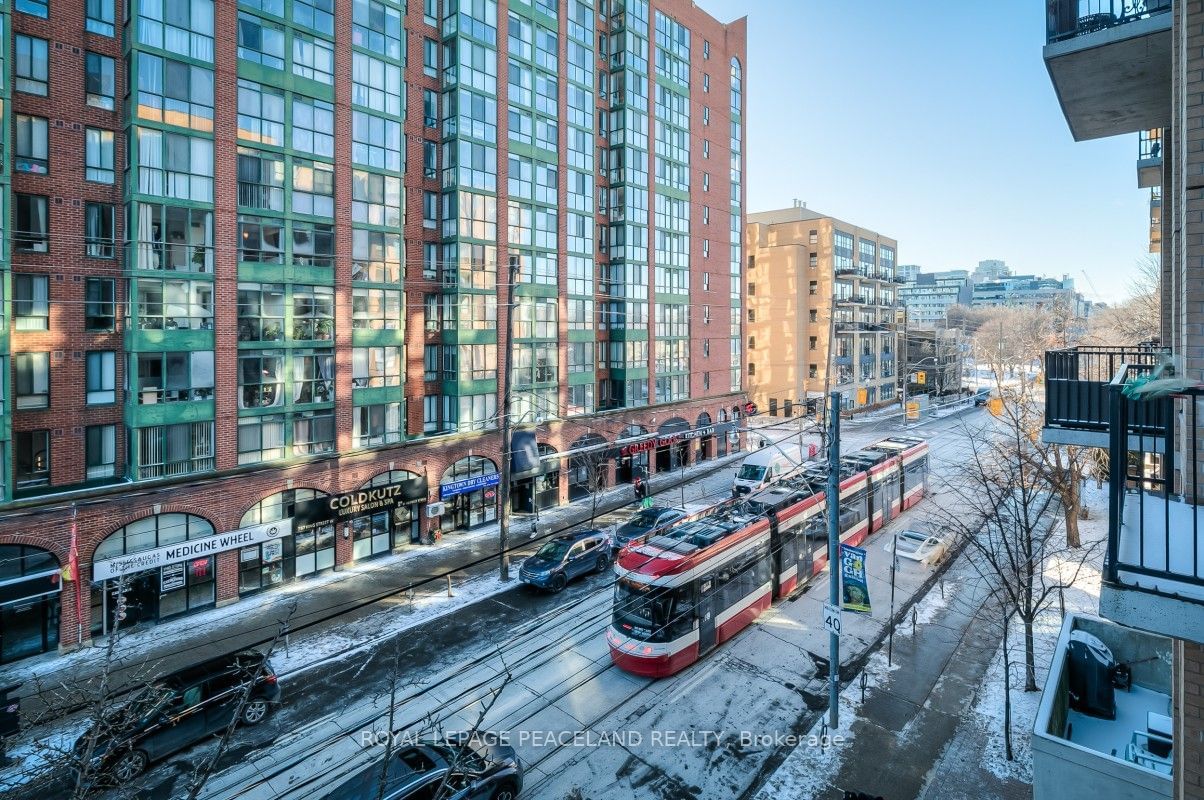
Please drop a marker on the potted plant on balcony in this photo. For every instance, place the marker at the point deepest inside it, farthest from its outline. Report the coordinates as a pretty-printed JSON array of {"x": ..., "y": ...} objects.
[{"x": 324, "y": 329}]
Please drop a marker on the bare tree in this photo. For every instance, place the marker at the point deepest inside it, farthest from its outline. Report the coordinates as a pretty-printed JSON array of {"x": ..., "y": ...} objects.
[
  {"x": 1011, "y": 542},
  {"x": 1136, "y": 319},
  {"x": 595, "y": 467}
]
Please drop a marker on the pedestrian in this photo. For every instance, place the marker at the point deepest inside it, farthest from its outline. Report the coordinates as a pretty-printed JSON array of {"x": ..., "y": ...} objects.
[{"x": 637, "y": 486}]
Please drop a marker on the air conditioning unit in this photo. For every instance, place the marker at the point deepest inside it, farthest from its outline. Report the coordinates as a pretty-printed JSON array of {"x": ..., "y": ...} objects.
[{"x": 435, "y": 509}]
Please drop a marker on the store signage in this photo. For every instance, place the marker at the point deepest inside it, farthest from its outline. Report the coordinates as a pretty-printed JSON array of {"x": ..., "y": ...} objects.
[
  {"x": 182, "y": 551},
  {"x": 465, "y": 485},
  {"x": 172, "y": 578},
  {"x": 660, "y": 441},
  {"x": 335, "y": 508},
  {"x": 698, "y": 433}
]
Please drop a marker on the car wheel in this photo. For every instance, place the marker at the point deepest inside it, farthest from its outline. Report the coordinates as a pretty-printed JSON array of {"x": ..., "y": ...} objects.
[
  {"x": 129, "y": 766},
  {"x": 506, "y": 791},
  {"x": 254, "y": 711},
  {"x": 603, "y": 563},
  {"x": 558, "y": 583}
]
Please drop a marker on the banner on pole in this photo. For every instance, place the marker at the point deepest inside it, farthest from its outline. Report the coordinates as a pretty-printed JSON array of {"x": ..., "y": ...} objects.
[{"x": 855, "y": 592}]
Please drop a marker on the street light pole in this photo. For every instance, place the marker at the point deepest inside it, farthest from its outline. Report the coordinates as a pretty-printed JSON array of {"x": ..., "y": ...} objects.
[{"x": 503, "y": 526}]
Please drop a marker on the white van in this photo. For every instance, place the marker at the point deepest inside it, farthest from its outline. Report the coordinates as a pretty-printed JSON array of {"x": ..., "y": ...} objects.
[{"x": 769, "y": 463}]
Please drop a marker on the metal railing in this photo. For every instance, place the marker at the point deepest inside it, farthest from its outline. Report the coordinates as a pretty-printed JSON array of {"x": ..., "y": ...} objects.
[
  {"x": 1156, "y": 469},
  {"x": 1077, "y": 383},
  {"x": 1070, "y": 18}
]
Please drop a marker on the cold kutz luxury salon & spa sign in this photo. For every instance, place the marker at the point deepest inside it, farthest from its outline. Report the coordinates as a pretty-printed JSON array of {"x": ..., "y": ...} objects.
[
  {"x": 319, "y": 511},
  {"x": 193, "y": 548}
]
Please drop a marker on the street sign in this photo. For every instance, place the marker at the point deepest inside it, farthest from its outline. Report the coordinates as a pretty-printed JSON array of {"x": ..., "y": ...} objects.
[
  {"x": 913, "y": 410},
  {"x": 832, "y": 618}
]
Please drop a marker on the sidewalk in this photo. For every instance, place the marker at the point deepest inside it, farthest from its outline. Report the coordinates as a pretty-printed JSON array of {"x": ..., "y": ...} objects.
[{"x": 175, "y": 644}]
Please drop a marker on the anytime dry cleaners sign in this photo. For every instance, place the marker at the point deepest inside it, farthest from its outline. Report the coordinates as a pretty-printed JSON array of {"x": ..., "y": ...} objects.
[{"x": 193, "y": 548}]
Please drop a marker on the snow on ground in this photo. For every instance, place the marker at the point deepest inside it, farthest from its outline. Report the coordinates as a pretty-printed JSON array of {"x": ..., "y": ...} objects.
[
  {"x": 1082, "y": 597},
  {"x": 420, "y": 607}
]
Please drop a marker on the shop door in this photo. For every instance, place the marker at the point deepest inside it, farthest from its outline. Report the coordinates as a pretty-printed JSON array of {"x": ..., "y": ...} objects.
[
  {"x": 522, "y": 496},
  {"x": 407, "y": 524}
]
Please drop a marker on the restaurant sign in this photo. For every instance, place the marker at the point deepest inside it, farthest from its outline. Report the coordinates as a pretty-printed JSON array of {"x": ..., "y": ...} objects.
[{"x": 193, "y": 548}]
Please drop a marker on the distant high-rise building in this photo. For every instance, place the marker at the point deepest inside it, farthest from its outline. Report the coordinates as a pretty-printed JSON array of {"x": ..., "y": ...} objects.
[
  {"x": 820, "y": 291},
  {"x": 908, "y": 272},
  {"x": 1029, "y": 290},
  {"x": 929, "y": 296},
  {"x": 990, "y": 270}
]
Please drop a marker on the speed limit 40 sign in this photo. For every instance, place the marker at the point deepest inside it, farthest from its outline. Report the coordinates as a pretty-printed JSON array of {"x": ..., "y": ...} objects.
[{"x": 832, "y": 618}]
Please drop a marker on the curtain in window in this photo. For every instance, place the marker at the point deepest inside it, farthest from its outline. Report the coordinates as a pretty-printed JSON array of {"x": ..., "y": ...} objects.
[
  {"x": 148, "y": 257},
  {"x": 150, "y": 164}
]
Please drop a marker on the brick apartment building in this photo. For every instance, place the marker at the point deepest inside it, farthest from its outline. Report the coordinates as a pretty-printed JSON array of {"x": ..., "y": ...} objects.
[
  {"x": 258, "y": 256},
  {"x": 1135, "y": 68}
]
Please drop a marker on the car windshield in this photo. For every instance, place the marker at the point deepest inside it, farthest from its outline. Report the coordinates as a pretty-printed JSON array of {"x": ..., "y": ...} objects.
[
  {"x": 554, "y": 550},
  {"x": 642, "y": 521},
  {"x": 750, "y": 472}
]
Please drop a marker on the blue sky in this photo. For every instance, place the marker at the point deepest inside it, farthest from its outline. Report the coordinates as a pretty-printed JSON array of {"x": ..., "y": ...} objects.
[{"x": 935, "y": 123}]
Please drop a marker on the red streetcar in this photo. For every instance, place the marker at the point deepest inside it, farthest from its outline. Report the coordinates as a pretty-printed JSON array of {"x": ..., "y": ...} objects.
[{"x": 700, "y": 581}]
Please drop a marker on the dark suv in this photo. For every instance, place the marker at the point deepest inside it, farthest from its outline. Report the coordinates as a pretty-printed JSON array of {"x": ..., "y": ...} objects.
[
  {"x": 175, "y": 712},
  {"x": 565, "y": 557},
  {"x": 467, "y": 770}
]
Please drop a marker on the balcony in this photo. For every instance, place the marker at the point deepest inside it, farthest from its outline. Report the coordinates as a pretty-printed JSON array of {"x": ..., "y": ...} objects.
[
  {"x": 1078, "y": 395},
  {"x": 1110, "y": 64},
  {"x": 1154, "y": 569},
  {"x": 1084, "y": 755},
  {"x": 1149, "y": 158}
]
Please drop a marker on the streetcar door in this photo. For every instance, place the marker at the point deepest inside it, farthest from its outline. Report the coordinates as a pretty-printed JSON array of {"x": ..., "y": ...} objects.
[{"x": 706, "y": 616}]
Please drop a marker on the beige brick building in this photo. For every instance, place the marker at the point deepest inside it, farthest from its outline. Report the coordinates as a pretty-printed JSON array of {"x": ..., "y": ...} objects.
[{"x": 820, "y": 292}]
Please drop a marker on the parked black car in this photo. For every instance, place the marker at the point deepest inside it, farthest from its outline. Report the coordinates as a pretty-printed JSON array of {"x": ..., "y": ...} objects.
[
  {"x": 636, "y": 529},
  {"x": 176, "y": 712},
  {"x": 565, "y": 557},
  {"x": 469, "y": 770}
]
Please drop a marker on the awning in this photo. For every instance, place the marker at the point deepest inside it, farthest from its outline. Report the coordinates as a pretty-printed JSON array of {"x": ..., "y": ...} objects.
[{"x": 524, "y": 455}]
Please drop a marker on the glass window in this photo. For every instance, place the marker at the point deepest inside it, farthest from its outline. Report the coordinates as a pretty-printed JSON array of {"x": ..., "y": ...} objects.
[
  {"x": 313, "y": 188},
  {"x": 99, "y": 230},
  {"x": 31, "y": 302},
  {"x": 260, "y": 239},
  {"x": 261, "y": 380},
  {"x": 173, "y": 238},
  {"x": 376, "y": 256},
  {"x": 174, "y": 165},
  {"x": 313, "y": 313},
  {"x": 313, "y": 244},
  {"x": 98, "y": 155},
  {"x": 375, "y": 199},
  {"x": 376, "y": 26},
  {"x": 174, "y": 92},
  {"x": 32, "y": 379},
  {"x": 101, "y": 377},
  {"x": 313, "y": 58},
  {"x": 32, "y": 145},
  {"x": 99, "y": 17},
  {"x": 375, "y": 366},
  {"x": 174, "y": 304},
  {"x": 260, "y": 41},
  {"x": 100, "y": 301},
  {"x": 100, "y": 451},
  {"x": 376, "y": 141},
  {"x": 32, "y": 67},
  {"x": 376, "y": 425},
  {"x": 260, "y": 312},
  {"x": 260, "y": 113},
  {"x": 375, "y": 309},
  {"x": 260, "y": 179},
  {"x": 183, "y": 27},
  {"x": 315, "y": 14},
  {"x": 430, "y": 210},
  {"x": 377, "y": 84},
  {"x": 175, "y": 450},
  {"x": 313, "y": 126},
  {"x": 430, "y": 57},
  {"x": 430, "y": 108},
  {"x": 31, "y": 461},
  {"x": 313, "y": 376},
  {"x": 100, "y": 77},
  {"x": 260, "y": 438},
  {"x": 37, "y": 8}
]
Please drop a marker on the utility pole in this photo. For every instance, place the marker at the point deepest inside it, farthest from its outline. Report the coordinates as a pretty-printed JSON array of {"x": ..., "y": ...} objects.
[
  {"x": 833, "y": 502},
  {"x": 503, "y": 520}
]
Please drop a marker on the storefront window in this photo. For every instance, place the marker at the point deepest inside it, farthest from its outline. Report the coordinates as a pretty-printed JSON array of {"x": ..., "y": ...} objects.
[
  {"x": 405, "y": 525},
  {"x": 469, "y": 487},
  {"x": 290, "y": 556},
  {"x": 159, "y": 592},
  {"x": 29, "y": 602}
]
